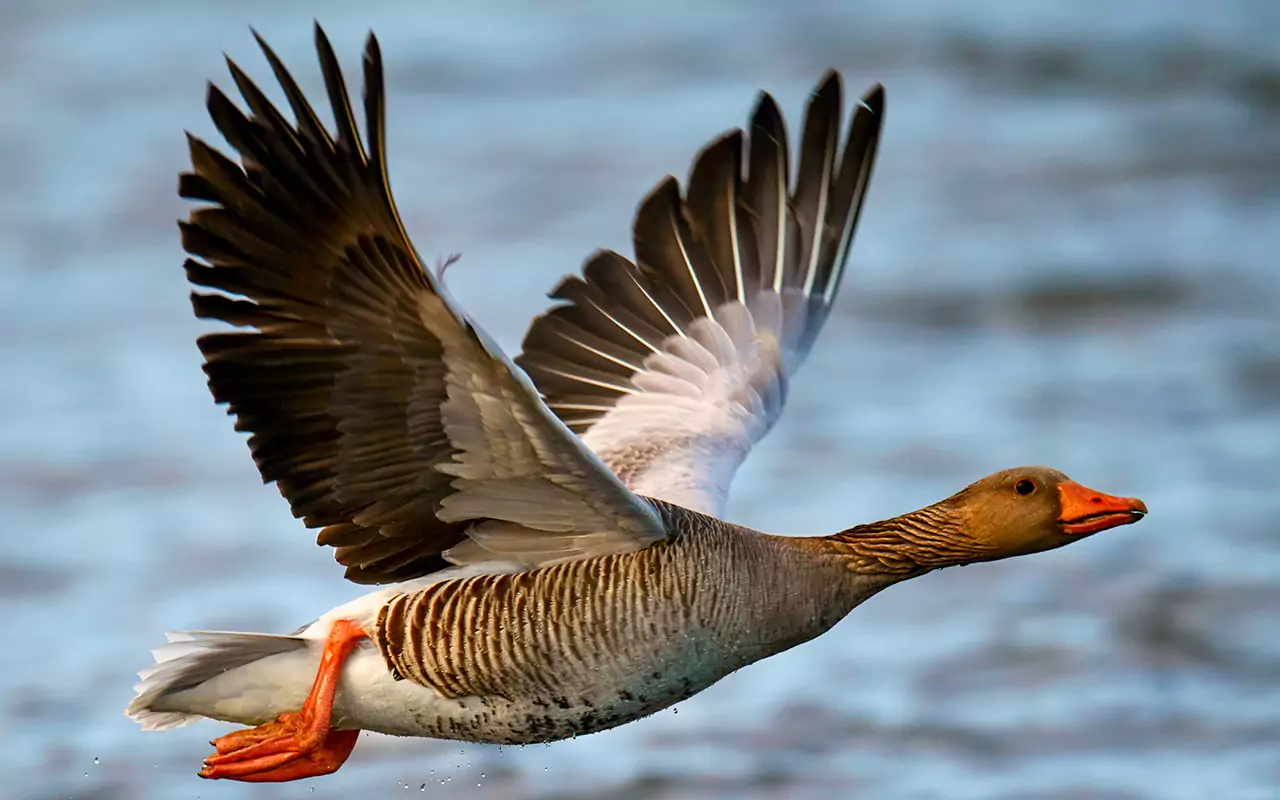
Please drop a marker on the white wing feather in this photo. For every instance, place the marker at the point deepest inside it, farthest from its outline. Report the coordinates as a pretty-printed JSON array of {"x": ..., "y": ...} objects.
[{"x": 705, "y": 399}]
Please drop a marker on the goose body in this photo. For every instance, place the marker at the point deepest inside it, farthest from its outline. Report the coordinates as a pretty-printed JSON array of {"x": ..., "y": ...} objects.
[
  {"x": 543, "y": 533},
  {"x": 632, "y": 634}
]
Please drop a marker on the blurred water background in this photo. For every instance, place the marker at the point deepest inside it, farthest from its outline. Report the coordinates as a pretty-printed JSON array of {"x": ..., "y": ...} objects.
[{"x": 1069, "y": 257}]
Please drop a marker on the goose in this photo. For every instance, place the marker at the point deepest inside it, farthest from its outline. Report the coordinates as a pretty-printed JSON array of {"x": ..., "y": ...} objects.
[{"x": 542, "y": 535}]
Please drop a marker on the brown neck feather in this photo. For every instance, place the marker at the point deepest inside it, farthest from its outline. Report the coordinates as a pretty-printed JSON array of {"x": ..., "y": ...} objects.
[{"x": 907, "y": 545}]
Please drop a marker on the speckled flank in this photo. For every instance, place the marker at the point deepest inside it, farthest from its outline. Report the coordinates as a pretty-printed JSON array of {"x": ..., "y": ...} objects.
[{"x": 588, "y": 645}]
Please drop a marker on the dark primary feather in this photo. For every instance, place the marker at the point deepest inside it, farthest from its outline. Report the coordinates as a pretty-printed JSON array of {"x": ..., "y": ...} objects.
[
  {"x": 740, "y": 229},
  {"x": 335, "y": 377}
]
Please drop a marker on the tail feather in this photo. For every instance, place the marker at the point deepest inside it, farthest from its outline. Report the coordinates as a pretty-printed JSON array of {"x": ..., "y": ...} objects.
[{"x": 189, "y": 659}]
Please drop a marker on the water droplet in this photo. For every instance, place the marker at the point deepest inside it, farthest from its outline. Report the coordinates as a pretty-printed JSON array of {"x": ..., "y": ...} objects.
[
  {"x": 481, "y": 774},
  {"x": 95, "y": 759},
  {"x": 422, "y": 788},
  {"x": 675, "y": 711}
]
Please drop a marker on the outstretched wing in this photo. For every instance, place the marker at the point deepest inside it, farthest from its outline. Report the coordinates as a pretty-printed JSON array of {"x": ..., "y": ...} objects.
[
  {"x": 672, "y": 367},
  {"x": 386, "y": 418}
]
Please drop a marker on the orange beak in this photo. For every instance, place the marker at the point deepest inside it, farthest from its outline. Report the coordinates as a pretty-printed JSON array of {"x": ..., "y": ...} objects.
[{"x": 1085, "y": 511}]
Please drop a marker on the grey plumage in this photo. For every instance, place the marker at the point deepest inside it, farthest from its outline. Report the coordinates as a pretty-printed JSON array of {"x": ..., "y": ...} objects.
[{"x": 587, "y": 645}]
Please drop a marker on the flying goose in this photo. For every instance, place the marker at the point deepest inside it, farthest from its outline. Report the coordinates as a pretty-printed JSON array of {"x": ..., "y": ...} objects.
[{"x": 543, "y": 534}]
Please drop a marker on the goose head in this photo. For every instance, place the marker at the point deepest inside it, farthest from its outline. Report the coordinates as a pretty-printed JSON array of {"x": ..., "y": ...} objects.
[{"x": 1032, "y": 509}]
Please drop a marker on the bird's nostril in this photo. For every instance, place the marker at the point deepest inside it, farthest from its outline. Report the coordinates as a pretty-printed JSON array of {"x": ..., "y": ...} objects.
[{"x": 1096, "y": 500}]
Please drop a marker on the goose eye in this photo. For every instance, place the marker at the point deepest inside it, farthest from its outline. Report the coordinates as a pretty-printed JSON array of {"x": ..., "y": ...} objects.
[{"x": 1024, "y": 487}]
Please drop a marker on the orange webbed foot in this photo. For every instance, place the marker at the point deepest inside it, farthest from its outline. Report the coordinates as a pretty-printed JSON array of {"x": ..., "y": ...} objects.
[
  {"x": 283, "y": 759},
  {"x": 299, "y": 744},
  {"x": 238, "y": 740}
]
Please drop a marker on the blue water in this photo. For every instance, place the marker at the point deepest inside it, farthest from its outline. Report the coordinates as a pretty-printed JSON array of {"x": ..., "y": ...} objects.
[{"x": 1069, "y": 257}]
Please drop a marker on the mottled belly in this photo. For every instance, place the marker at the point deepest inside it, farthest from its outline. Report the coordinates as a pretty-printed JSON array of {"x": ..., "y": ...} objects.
[
  {"x": 562, "y": 716},
  {"x": 549, "y": 718},
  {"x": 372, "y": 699}
]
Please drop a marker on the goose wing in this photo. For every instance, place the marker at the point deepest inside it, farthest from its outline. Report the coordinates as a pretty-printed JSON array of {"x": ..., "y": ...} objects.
[
  {"x": 385, "y": 416},
  {"x": 672, "y": 366}
]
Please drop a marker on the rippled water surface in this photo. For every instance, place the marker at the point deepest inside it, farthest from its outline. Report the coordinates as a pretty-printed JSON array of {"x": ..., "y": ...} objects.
[{"x": 1069, "y": 257}]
